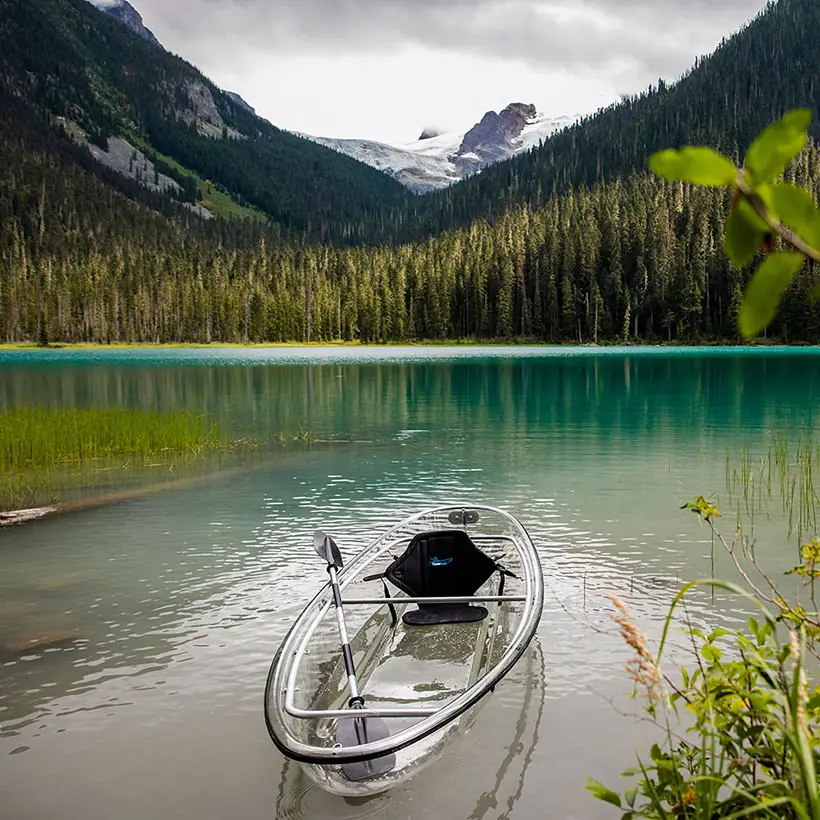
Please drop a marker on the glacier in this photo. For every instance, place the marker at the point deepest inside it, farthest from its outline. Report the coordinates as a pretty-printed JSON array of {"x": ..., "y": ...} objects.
[{"x": 435, "y": 162}]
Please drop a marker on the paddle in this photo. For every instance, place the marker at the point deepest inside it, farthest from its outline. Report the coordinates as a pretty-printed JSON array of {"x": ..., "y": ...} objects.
[{"x": 353, "y": 731}]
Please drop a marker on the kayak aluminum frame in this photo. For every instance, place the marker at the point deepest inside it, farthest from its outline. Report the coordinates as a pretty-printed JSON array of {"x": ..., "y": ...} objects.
[{"x": 281, "y": 688}]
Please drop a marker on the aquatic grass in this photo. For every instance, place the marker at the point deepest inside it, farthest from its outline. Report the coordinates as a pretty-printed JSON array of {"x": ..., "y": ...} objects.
[
  {"x": 784, "y": 472},
  {"x": 44, "y": 450},
  {"x": 36, "y": 437}
]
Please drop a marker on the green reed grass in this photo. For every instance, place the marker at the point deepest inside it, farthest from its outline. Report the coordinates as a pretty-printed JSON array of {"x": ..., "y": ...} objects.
[
  {"x": 785, "y": 471},
  {"x": 42, "y": 450}
]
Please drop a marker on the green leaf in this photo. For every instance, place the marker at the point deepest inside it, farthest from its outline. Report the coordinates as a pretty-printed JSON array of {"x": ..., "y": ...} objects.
[
  {"x": 743, "y": 236},
  {"x": 765, "y": 194},
  {"x": 601, "y": 792},
  {"x": 702, "y": 166},
  {"x": 629, "y": 795},
  {"x": 771, "y": 153},
  {"x": 796, "y": 208},
  {"x": 711, "y": 653},
  {"x": 763, "y": 294},
  {"x": 718, "y": 633}
]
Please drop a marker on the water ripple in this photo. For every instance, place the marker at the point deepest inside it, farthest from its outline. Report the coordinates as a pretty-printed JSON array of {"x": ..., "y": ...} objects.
[{"x": 138, "y": 636}]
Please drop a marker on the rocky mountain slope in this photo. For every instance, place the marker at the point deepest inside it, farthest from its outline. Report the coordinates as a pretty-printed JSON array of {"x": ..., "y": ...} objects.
[
  {"x": 123, "y": 11},
  {"x": 157, "y": 119},
  {"x": 437, "y": 160}
]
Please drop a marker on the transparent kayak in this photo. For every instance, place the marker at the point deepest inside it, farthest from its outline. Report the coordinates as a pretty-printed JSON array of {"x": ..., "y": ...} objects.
[{"x": 421, "y": 684}]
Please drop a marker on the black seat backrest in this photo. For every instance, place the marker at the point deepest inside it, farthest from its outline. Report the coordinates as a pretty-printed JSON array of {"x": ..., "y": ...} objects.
[{"x": 441, "y": 564}]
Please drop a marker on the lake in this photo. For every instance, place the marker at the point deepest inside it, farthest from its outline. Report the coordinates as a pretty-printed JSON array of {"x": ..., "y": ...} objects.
[{"x": 166, "y": 608}]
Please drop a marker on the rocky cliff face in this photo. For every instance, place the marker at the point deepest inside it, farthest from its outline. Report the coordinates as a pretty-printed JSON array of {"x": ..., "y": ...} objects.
[
  {"x": 123, "y": 11},
  {"x": 494, "y": 138},
  {"x": 202, "y": 112},
  {"x": 239, "y": 101}
]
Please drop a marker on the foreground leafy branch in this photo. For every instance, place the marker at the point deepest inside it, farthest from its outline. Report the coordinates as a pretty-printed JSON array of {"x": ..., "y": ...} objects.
[
  {"x": 751, "y": 749},
  {"x": 762, "y": 209}
]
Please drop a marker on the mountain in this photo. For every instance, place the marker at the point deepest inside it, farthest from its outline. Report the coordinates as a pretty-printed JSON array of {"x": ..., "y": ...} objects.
[
  {"x": 436, "y": 160},
  {"x": 123, "y": 11},
  {"x": 770, "y": 66},
  {"x": 155, "y": 118},
  {"x": 88, "y": 253},
  {"x": 127, "y": 15}
]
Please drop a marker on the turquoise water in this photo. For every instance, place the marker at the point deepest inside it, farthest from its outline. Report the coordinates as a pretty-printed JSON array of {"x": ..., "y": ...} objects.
[{"x": 154, "y": 620}]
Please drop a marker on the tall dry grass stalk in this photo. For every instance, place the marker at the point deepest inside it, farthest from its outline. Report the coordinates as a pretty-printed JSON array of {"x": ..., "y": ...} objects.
[{"x": 641, "y": 668}]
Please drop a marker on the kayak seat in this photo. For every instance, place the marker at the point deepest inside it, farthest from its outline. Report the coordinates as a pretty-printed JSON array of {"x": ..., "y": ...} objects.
[
  {"x": 432, "y": 614},
  {"x": 442, "y": 564}
]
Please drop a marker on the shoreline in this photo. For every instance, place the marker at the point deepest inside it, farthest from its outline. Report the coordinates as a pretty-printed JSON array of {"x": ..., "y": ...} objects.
[
  {"x": 17, "y": 518},
  {"x": 425, "y": 343}
]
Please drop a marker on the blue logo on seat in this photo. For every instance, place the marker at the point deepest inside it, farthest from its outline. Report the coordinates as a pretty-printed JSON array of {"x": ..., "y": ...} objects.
[{"x": 439, "y": 562}]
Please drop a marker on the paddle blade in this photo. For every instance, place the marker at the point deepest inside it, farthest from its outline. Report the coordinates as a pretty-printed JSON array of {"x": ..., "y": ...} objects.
[
  {"x": 326, "y": 548},
  {"x": 355, "y": 731}
]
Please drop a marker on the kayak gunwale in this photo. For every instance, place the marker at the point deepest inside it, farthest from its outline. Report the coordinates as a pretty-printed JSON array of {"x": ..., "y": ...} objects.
[{"x": 280, "y": 685}]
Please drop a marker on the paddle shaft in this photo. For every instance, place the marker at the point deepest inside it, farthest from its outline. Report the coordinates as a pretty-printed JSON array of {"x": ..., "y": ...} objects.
[{"x": 355, "y": 697}]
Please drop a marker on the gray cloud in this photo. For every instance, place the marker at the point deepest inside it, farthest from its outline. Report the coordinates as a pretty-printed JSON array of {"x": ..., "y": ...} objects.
[
  {"x": 381, "y": 68},
  {"x": 628, "y": 35}
]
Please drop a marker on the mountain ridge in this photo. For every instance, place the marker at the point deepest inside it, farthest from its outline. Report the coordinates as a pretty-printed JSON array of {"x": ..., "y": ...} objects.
[
  {"x": 73, "y": 61},
  {"x": 434, "y": 161},
  {"x": 123, "y": 11}
]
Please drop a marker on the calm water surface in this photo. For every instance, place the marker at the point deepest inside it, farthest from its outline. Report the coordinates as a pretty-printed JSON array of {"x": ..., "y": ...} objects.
[{"x": 163, "y": 612}]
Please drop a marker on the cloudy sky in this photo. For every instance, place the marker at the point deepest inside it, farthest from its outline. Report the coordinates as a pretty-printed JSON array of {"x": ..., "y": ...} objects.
[{"x": 385, "y": 69}]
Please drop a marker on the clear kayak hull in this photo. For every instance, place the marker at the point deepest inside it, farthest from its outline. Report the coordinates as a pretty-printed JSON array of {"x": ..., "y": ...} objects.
[{"x": 424, "y": 682}]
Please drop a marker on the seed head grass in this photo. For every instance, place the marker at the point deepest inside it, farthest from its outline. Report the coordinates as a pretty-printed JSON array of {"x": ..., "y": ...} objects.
[{"x": 641, "y": 667}]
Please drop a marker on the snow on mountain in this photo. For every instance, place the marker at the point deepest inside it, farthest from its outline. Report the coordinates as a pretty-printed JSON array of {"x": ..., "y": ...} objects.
[
  {"x": 420, "y": 169},
  {"x": 434, "y": 162}
]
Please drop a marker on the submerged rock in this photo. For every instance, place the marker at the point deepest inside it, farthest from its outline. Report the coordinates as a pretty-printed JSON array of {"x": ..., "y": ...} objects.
[
  {"x": 36, "y": 642},
  {"x": 59, "y": 583}
]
